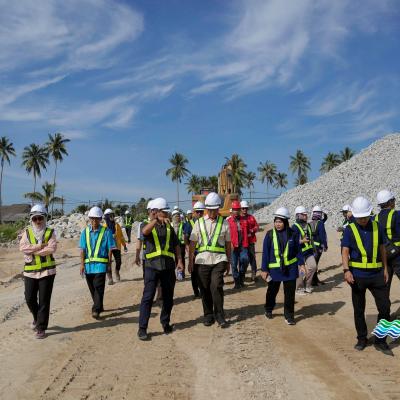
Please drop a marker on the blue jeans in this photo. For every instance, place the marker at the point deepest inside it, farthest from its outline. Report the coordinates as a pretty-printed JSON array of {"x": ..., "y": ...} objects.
[{"x": 240, "y": 261}]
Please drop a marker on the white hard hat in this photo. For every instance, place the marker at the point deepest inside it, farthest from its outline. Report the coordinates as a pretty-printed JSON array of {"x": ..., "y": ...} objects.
[
  {"x": 149, "y": 205},
  {"x": 384, "y": 196},
  {"x": 95, "y": 212},
  {"x": 176, "y": 208},
  {"x": 213, "y": 201},
  {"x": 108, "y": 211},
  {"x": 244, "y": 204},
  {"x": 282, "y": 212},
  {"x": 38, "y": 209},
  {"x": 346, "y": 207},
  {"x": 175, "y": 212},
  {"x": 300, "y": 210},
  {"x": 199, "y": 206},
  {"x": 317, "y": 209},
  {"x": 127, "y": 212},
  {"x": 361, "y": 207},
  {"x": 160, "y": 204},
  {"x": 189, "y": 212}
]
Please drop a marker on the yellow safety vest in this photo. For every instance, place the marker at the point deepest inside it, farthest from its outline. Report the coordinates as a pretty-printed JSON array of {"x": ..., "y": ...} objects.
[
  {"x": 388, "y": 227},
  {"x": 277, "y": 255},
  {"x": 158, "y": 252},
  {"x": 128, "y": 221},
  {"x": 180, "y": 233},
  {"x": 191, "y": 223},
  {"x": 211, "y": 244},
  {"x": 305, "y": 246},
  {"x": 94, "y": 256},
  {"x": 365, "y": 263},
  {"x": 40, "y": 263}
]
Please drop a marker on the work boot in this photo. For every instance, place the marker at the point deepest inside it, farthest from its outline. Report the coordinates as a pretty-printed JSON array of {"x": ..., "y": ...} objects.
[
  {"x": 142, "y": 334},
  {"x": 168, "y": 329},
  {"x": 209, "y": 321},
  {"x": 237, "y": 284},
  {"x": 222, "y": 322},
  {"x": 382, "y": 346},
  {"x": 361, "y": 344}
]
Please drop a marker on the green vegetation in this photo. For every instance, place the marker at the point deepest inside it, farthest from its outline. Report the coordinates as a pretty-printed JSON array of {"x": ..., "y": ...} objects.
[{"x": 9, "y": 232}]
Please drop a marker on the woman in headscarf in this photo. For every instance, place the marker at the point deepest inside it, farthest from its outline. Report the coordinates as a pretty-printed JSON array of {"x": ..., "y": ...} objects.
[{"x": 38, "y": 243}]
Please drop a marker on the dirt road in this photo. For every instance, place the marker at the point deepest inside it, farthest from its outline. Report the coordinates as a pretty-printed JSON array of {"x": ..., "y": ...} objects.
[{"x": 254, "y": 358}]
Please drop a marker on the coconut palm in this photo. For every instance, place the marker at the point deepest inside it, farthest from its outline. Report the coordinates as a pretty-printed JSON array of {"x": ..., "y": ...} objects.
[
  {"x": 250, "y": 177},
  {"x": 300, "y": 165},
  {"x": 267, "y": 172},
  {"x": 6, "y": 150},
  {"x": 46, "y": 197},
  {"x": 238, "y": 169},
  {"x": 193, "y": 184},
  {"x": 34, "y": 159},
  {"x": 178, "y": 170},
  {"x": 301, "y": 180},
  {"x": 57, "y": 149},
  {"x": 213, "y": 183},
  {"x": 281, "y": 181},
  {"x": 346, "y": 154},
  {"x": 331, "y": 161}
]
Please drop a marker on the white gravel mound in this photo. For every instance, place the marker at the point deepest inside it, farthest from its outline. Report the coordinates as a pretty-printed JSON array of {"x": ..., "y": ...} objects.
[{"x": 375, "y": 168}]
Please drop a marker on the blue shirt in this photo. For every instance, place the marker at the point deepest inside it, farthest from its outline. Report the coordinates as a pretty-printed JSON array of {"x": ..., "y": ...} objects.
[
  {"x": 320, "y": 234},
  {"x": 107, "y": 244},
  {"x": 366, "y": 238}
]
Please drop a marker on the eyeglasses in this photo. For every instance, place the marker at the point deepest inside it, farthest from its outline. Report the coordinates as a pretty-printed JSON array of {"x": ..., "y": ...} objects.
[{"x": 37, "y": 219}]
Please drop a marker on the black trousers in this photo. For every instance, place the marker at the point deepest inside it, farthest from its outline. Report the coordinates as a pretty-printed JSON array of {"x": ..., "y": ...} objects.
[
  {"x": 194, "y": 277},
  {"x": 289, "y": 288},
  {"x": 380, "y": 292},
  {"x": 211, "y": 282},
  {"x": 39, "y": 289},
  {"x": 128, "y": 230},
  {"x": 393, "y": 268},
  {"x": 251, "y": 250},
  {"x": 117, "y": 257},
  {"x": 96, "y": 284},
  {"x": 167, "y": 280}
]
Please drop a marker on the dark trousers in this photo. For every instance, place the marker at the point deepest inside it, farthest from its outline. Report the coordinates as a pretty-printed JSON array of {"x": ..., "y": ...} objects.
[
  {"x": 240, "y": 262},
  {"x": 289, "y": 288},
  {"x": 211, "y": 282},
  {"x": 252, "y": 256},
  {"x": 42, "y": 289},
  {"x": 96, "y": 284},
  {"x": 317, "y": 256},
  {"x": 194, "y": 277},
  {"x": 380, "y": 292},
  {"x": 117, "y": 257},
  {"x": 128, "y": 231},
  {"x": 167, "y": 280},
  {"x": 393, "y": 268}
]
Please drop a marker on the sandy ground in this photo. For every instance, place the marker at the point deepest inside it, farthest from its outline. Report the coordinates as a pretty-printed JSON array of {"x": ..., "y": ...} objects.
[{"x": 254, "y": 358}]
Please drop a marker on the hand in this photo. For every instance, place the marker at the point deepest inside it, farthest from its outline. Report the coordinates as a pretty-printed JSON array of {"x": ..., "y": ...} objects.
[
  {"x": 264, "y": 275},
  {"x": 302, "y": 269},
  {"x": 304, "y": 240},
  {"x": 180, "y": 266},
  {"x": 190, "y": 268},
  {"x": 43, "y": 245},
  {"x": 325, "y": 249},
  {"x": 82, "y": 269},
  {"x": 386, "y": 275},
  {"x": 348, "y": 277},
  {"x": 228, "y": 268},
  {"x": 137, "y": 260}
]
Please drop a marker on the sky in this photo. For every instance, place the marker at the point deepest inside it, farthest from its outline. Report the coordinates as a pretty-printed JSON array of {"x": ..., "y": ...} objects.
[{"x": 132, "y": 82}]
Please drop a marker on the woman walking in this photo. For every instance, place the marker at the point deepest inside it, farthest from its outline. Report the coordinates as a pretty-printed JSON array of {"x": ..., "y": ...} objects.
[{"x": 38, "y": 243}]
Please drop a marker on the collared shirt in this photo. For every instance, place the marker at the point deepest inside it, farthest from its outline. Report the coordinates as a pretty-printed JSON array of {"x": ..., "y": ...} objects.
[
  {"x": 207, "y": 257},
  {"x": 107, "y": 244}
]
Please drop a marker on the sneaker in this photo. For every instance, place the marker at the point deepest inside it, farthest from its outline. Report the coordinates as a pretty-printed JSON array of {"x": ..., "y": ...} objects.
[
  {"x": 209, "y": 322},
  {"x": 40, "y": 334},
  {"x": 361, "y": 344},
  {"x": 95, "y": 314},
  {"x": 168, "y": 329},
  {"x": 117, "y": 276},
  {"x": 308, "y": 290},
  {"x": 222, "y": 322},
  {"x": 33, "y": 325},
  {"x": 142, "y": 334},
  {"x": 268, "y": 314},
  {"x": 383, "y": 347},
  {"x": 300, "y": 292},
  {"x": 290, "y": 321},
  {"x": 253, "y": 276}
]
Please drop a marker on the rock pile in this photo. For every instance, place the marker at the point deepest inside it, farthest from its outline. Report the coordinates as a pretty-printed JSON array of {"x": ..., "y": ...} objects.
[{"x": 375, "y": 168}]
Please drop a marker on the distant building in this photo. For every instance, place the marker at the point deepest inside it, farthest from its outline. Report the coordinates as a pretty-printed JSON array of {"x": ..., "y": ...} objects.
[{"x": 15, "y": 212}]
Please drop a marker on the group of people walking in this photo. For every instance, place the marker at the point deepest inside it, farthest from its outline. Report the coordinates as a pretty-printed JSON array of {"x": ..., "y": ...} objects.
[{"x": 370, "y": 247}]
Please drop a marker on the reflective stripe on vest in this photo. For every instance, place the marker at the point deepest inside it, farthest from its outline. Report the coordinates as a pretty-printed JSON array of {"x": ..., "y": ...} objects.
[
  {"x": 388, "y": 227},
  {"x": 158, "y": 251},
  {"x": 191, "y": 223},
  {"x": 277, "y": 262},
  {"x": 38, "y": 263},
  {"x": 375, "y": 247},
  {"x": 211, "y": 244},
  {"x": 128, "y": 221},
  {"x": 305, "y": 246},
  {"x": 94, "y": 257},
  {"x": 180, "y": 233}
]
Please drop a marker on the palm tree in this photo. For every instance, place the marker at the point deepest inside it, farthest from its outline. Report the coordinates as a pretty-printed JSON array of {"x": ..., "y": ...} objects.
[
  {"x": 46, "y": 197},
  {"x": 346, "y": 154},
  {"x": 6, "y": 150},
  {"x": 238, "y": 169},
  {"x": 178, "y": 170},
  {"x": 267, "y": 172},
  {"x": 34, "y": 158},
  {"x": 204, "y": 182},
  {"x": 250, "y": 177},
  {"x": 281, "y": 181},
  {"x": 56, "y": 148},
  {"x": 300, "y": 165},
  {"x": 301, "y": 180},
  {"x": 331, "y": 161},
  {"x": 193, "y": 184},
  {"x": 213, "y": 182}
]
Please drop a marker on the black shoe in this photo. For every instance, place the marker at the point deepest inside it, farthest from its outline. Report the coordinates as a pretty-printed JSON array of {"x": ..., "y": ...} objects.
[
  {"x": 168, "y": 329},
  {"x": 241, "y": 280},
  {"x": 361, "y": 344},
  {"x": 222, "y": 322},
  {"x": 268, "y": 314},
  {"x": 383, "y": 347},
  {"x": 290, "y": 321},
  {"x": 196, "y": 295},
  {"x": 95, "y": 314},
  {"x": 237, "y": 284},
  {"x": 142, "y": 334},
  {"x": 209, "y": 322}
]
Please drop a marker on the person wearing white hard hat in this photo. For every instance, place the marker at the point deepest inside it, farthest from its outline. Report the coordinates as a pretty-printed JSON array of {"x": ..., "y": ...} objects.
[
  {"x": 213, "y": 257},
  {"x": 116, "y": 230},
  {"x": 365, "y": 267},
  {"x": 347, "y": 219},
  {"x": 389, "y": 220},
  {"x": 252, "y": 230},
  {"x": 303, "y": 228},
  {"x": 38, "y": 244},
  {"x": 178, "y": 225},
  {"x": 96, "y": 244},
  {"x": 128, "y": 221},
  {"x": 162, "y": 254},
  {"x": 282, "y": 259},
  {"x": 319, "y": 238}
]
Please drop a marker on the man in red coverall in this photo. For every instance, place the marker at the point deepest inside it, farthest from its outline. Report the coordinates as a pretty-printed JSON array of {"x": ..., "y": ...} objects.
[
  {"x": 239, "y": 243},
  {"x": 252, "y": 226}
]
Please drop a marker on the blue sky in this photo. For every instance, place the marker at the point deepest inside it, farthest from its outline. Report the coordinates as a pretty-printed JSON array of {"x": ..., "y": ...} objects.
[{"x": 131, "y": 82}]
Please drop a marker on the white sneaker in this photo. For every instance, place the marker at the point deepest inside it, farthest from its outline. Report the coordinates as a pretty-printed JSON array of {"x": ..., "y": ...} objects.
[
  {"x": 300, "y": 292},
  {"x": 308, "y": 290}
]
